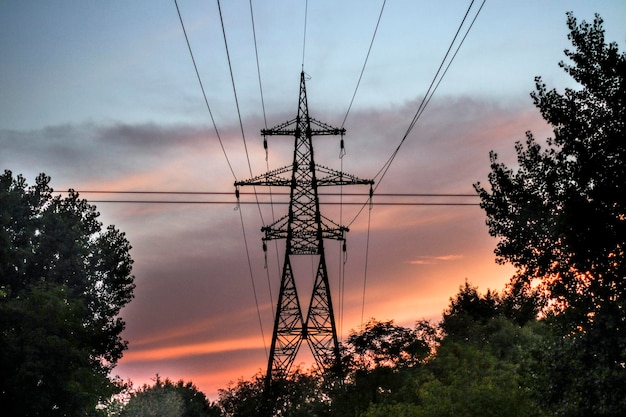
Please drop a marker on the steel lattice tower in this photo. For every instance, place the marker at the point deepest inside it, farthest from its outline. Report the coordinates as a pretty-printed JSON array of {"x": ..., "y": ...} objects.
[{"x": 304, "y": 228}]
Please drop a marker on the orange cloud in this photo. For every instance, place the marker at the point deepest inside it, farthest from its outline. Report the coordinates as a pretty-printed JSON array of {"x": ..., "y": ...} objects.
[
  {"x": 196, "y": 349},
  {"x": 429, "y": 260}
]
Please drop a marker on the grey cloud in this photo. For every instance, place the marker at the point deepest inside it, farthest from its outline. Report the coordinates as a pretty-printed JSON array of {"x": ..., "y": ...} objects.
[{"x": 75, "y": 153}]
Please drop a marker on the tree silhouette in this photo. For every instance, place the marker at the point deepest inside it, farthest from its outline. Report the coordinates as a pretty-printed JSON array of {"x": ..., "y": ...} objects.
[
  {"x": 561, "y": 219},
  {"x": 64, "y": 280}
]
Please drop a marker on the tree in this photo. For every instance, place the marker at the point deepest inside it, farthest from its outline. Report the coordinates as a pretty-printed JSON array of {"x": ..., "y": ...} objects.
[
  {"x": 561, "y": 219},
  {"x": 476, "y": 318},
  {"x": 480, "y": 367},
  {"x": 384, "y": 344},
  {"x": 299, "y": 394},
  {"x": 64, "y": 280},
  {"x": 379, "y": 359},
  {"x": 245, "y": 398},
  {"x": 169, "y": 399},
  {"x": 468, "y": 309},
  {"x": 466, "y": 380}
]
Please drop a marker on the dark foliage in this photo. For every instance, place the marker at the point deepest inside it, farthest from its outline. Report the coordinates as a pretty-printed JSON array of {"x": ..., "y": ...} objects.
[
  {"x": 63, "y": 281},
  {"x": 561, "y": 219},
  {"x": 300, "y": 394},
  {"x": 169, "y": 399}
]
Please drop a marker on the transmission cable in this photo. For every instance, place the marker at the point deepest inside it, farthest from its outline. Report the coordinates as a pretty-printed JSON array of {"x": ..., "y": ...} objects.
[
  {"x": 245, "y": 145},
  {"x": 206, "y": 101},
  {"x": 232, "y": 79},
  {"x": 342, "y": 251},
  {"x": 341, "y": 155},
  {"x": 431, "y": 89},
  {"x": 380, "y": 15},
  {"x": 258, "y": 70},
  {"x": 367, "y": 251},
  {"x": 223, "y": 202},
  {"x": 258, "y": 66},
  {"x": 427, "y": 97},
  {"x": 222, "y": 145},
  {"x": 341, "y": 202},
  {"x": 261, "y": 193},
  {"x": 256, "y": 299}
]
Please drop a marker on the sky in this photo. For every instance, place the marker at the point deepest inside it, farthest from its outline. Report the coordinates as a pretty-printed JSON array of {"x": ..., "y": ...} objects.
[{"x": 104, "y": 96}]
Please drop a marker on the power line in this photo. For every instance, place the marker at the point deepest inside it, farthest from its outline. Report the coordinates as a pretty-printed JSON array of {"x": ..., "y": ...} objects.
[
  {"x": 377, "y": 202},
  {"x": 245, "y": 146},
  {"x": 364, "y": 63},
  {"x": 451, "y": 59},
  {"x": 206, "y": 101},
  {"x": 279, "y": 202},
  {"x": 258, "y": 70},
  {"x": 269, "y": 193},
  {"x": 256, "y": 298},
  {"x": 367, "y": 251},
  {"x": 232, "y": 80},
  {"x": 427, "y": 97},
  {"x": 430, "y": 92},
  {"x": 258, "y": 66},
  {"x": 223, "y": 150}
]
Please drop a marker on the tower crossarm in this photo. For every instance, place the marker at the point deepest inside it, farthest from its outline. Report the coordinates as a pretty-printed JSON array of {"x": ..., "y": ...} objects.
[
  {"x": 276, "y": 230},
  {"x": 329, "y": 226},
  {"x": 334, "y": 177},
  {"x": 270, "y": 178},
  {"x": 332, "y": 230},
  {"x": 325, "y": 129},
  {"x": 283, "y": 129},
  {"x": 289, "y": 128},
  {"x": 330, "y": 177}
]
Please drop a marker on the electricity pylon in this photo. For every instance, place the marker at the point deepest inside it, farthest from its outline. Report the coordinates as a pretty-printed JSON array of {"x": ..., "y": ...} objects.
[{"x": 304, "y": 228}]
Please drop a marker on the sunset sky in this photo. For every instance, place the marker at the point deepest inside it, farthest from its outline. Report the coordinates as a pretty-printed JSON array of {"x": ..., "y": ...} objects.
[{"x": 104, "y": 96}]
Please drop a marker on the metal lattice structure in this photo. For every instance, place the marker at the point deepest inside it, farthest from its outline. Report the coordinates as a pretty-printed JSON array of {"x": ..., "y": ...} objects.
[{"x": 305, "y": 229}]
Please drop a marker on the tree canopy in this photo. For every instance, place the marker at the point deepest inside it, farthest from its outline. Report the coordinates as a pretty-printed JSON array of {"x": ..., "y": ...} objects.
[
  {"x": 168, "y": 399},
  {"x": 64, "y": 280},
  {"x": 560, "y": 218}
]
